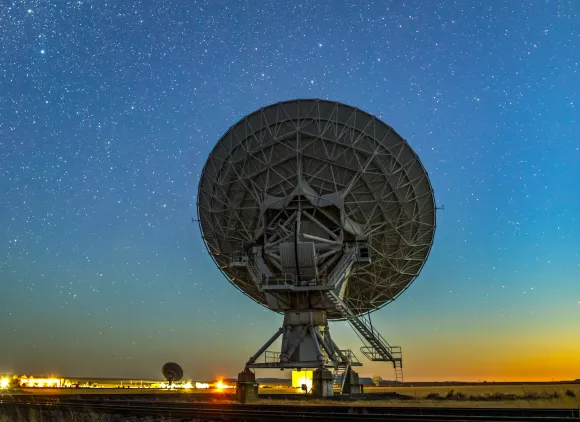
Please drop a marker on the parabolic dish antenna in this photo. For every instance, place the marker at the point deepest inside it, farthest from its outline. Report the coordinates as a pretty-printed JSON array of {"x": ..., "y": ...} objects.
[
  {"x": 172, "y": 372},
  {"x": 320, "y": 211}
]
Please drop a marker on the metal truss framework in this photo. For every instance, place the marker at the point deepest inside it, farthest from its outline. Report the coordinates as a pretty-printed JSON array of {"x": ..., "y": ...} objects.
[
  {"x": 340, "y": 150},
  {"x": 312, "y": 204}
]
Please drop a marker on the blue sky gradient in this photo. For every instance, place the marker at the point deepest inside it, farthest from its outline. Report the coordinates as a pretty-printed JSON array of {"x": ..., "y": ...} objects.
[{"x": 108, "y": 111}]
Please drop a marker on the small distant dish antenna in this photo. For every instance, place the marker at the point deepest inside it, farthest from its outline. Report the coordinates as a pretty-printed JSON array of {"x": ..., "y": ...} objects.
[{"x": 172, "y": 372}]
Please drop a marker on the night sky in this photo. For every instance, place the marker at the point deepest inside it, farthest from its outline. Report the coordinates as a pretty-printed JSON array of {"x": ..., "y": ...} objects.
[{"x": 108, "y": 111}]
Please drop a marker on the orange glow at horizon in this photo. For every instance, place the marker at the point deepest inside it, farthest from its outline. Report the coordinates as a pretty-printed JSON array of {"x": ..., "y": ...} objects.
[
  {"x": 508, "y": 357},
  {"x": 220, "y": 385}
]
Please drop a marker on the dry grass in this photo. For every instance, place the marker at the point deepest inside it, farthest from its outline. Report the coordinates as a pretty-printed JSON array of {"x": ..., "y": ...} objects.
[
  {"x": 479, "y": 390},
  {"x": 71, "y": 416},
  {"x": 45, "y": 416},
  {"x": 565, "y": 396},
  {"x": 538, "y": 404}
]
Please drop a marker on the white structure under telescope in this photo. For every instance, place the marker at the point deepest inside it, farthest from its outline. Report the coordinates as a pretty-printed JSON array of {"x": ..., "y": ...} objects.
[{"x": 319, "y": 211}]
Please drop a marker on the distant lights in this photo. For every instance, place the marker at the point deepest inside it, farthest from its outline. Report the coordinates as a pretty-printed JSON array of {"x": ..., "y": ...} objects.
[
  {"x": 4, "y": 383},
  {"x": 220, "y": 385},
  {"x": 43, "y": 382}
]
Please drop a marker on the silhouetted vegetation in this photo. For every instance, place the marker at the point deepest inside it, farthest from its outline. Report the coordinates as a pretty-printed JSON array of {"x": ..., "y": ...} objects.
[
  {"x": 73, "y": 416},
  {"x": 528, "y": 395}
]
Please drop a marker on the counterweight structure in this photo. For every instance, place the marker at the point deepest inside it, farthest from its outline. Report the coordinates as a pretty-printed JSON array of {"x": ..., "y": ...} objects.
[{"x": 319, "y": 211}]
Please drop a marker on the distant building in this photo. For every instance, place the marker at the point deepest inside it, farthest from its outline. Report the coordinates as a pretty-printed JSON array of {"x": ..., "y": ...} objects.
[{"x": 44, "y": 382}]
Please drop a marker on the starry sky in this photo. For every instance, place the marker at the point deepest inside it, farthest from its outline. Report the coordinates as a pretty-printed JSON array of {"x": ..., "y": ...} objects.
[{"x": 108, "y": 110}]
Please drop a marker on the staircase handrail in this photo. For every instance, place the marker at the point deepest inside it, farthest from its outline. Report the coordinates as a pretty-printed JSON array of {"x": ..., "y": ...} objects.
[
  {"x": 344, "y": 378},
  {"x": 349, "y": 354},
  {"x": 372, "y": 333}
]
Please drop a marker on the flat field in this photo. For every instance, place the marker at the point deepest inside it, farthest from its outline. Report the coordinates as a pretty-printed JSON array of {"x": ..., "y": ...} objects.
[
  {"x": 550, "y": 395},
  {"x": 480, "y": 389}
]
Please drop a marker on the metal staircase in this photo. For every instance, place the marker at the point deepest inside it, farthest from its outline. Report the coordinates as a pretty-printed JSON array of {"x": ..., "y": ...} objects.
[
  {"x": 340, "y": 376},
  {"x": 377, "y": 348},
  {"x": 399, "y": 370}
]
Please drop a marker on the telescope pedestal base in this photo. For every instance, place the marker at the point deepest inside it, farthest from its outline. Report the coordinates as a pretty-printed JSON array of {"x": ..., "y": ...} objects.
[
  {"x": 247, "y": 387},
  {"x": 351, "y": 384},
  {"x": 306, "y": 343},
  {"x": 322, "y": 383}
]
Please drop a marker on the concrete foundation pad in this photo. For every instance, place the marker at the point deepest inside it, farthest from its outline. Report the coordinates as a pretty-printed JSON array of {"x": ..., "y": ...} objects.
[
  {"x": 322, "y": 383},
  {"x": 247, "y": 387}
]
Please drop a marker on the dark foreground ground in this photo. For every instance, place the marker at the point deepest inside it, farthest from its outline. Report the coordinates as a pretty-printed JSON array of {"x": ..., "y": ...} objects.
[
  {"x": 407, "y": 402},
  {"x": 210, "y": 407}
]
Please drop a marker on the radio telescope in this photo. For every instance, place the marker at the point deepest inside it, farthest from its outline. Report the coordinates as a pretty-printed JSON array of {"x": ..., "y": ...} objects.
[
  {"x": 319, "y": 211},
  {"x": 172, "y": 372}
]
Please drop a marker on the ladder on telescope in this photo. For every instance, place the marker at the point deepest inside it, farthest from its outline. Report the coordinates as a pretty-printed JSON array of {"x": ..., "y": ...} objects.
[
  {"x": 398, "y": 370},
  {"x": 377, "y": 348}
]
